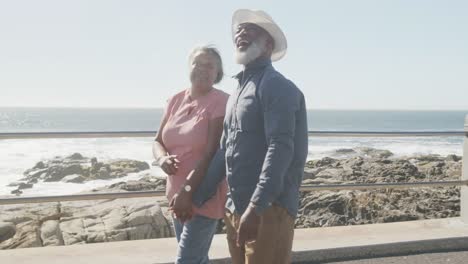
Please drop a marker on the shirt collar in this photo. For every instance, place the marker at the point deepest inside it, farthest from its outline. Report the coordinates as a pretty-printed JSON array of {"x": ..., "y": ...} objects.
[{"x": 254, "y": 67}]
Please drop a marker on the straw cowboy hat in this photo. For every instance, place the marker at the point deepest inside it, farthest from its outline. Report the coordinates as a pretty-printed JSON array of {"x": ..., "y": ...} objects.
[{"x": 263, "y": 20}]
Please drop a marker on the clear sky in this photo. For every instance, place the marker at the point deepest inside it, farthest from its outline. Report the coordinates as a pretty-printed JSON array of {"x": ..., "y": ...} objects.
[{"x": 361, "y": 54}]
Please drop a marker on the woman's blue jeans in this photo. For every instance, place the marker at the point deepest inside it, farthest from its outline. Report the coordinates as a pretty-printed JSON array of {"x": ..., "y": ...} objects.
[{"x": 194, "y": 239}]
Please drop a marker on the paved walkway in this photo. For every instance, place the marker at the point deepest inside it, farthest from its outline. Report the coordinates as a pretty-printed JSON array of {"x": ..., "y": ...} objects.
[
  {"x": 314, "y": 244},
  {"x": 431, "y": 258}
]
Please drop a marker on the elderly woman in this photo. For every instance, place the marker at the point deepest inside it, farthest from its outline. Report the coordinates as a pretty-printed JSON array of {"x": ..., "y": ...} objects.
[{"x": 187, "y": 139}]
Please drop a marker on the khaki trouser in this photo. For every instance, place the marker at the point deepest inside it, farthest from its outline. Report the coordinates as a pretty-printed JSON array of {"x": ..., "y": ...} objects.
[{"x": 274, "y": 240}]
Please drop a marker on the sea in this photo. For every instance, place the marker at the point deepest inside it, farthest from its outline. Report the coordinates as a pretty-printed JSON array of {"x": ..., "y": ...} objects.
[{"x": 17, "y": 155}]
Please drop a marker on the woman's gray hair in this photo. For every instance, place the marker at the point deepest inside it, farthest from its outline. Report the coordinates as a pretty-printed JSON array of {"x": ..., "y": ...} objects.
[{"x": 209, "y": 49}]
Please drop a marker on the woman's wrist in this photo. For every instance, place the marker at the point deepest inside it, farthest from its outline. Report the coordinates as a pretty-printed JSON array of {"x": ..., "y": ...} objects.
[
  {"x": 160, "y": 159},
  {"x": 186, "y": 189}
]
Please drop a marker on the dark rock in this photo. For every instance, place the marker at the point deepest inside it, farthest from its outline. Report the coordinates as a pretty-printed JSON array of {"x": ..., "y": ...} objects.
[
  {"x": 35, "y": 173},
  {"x": 74, "y": 178},
  {"x": 354, "y": 162},
  {"x": 39, "y": 165},
  {"x": 310, "y": 173},
  {"x": 56, "y": 173},
  {"x": 75, "y": 156},
  {"x": 81, "y": 169},
  {"x": 103, "y": 173},
  {"x": 331, "y": 173},
  {"x": 24, "y": 185},
  {"x": 7, "y": 231},
  {"x": 385, "y": 161},
  {"x": 143, "y": 184},
  {"x": 398, "y": 216},
  {"x": 375, "y": 153},
  {"x": 345, "y": 151},
  {"x": 428, "y": 158},
  {"x": 33, "y": 181},
  {"x": 17, "y": 192},
  {"x": 336, "y": 207},
  {"x": 454, "y": 158},
  {"x": 322, "y": 162},
  {"x": 14, "y": 184}
]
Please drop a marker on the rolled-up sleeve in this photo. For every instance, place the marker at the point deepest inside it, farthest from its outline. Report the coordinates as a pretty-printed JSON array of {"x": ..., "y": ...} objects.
[{"x": 280, "y": 102}]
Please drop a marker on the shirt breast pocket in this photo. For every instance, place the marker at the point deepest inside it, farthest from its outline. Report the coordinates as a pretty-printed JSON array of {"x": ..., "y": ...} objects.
[{"x": 249, "y": 113}]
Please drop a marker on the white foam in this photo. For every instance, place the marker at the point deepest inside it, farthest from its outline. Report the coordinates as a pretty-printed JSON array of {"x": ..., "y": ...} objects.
[{"x": 404, "y": 146}]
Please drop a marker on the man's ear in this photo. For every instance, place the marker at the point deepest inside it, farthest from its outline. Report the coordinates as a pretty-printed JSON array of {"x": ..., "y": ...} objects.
[{"x": 271, "y": 44}]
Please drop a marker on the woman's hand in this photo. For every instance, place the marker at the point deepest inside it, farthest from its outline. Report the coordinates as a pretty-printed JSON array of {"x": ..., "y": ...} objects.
[
  {"x": 181, "y": 205},
  {"x": 169, "y": 164}
]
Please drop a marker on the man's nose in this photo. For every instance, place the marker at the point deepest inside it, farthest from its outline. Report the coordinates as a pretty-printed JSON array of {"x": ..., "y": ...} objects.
[{"x": 242, "y": 33}]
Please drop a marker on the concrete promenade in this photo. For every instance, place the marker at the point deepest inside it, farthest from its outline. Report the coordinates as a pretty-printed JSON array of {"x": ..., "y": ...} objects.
[
  {"x": 457, "y": 257},
  {"x": 315, "y": 245}
]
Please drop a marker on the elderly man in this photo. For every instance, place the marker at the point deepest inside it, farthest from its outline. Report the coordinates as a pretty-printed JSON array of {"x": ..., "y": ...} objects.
[
  {"x": 265, "y": 143},
  {"x": 263, "y": 148}
]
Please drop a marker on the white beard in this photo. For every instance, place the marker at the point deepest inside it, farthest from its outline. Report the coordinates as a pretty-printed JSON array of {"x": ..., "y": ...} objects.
[{"x": 253, "y": 52}]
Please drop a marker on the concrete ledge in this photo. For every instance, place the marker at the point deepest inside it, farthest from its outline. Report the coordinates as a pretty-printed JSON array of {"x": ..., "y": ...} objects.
[
  {"x": 383, "y": 250},
  {"x": 368, "y": 241},
  {"x": 315, "y": 245}
]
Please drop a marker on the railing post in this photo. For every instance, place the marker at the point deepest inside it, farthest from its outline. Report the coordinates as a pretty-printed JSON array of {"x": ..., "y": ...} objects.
[{"x": 464, "y": 188}]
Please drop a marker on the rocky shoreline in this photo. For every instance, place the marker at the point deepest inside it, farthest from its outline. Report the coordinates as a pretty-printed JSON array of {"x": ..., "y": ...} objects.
[
  {"x": 365, "y": 165},
  {"x": 76, "y": 169},
  {"x": 70, "y": 223}
]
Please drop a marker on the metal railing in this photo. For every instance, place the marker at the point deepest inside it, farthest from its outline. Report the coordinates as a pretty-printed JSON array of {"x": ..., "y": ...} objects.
[
  {"x": 304, "y": 188},
  {"x": 333, "y": 187},
  {"x": 116, "y": 134}
]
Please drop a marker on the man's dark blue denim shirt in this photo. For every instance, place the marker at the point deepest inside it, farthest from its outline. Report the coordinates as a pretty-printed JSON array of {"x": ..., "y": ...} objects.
[{"x": 264, "y": 143}]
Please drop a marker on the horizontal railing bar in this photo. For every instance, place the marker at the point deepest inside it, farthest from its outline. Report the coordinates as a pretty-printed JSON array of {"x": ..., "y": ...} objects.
[
  {"x": 374, "y": 186},
  {"x": 386, "y": 133},
  {"x": 306, "y": 188},
  {"x": 112, "y": 134},
  {"x": 79, "y": 197},
  {"x": 85, "y": 134}
]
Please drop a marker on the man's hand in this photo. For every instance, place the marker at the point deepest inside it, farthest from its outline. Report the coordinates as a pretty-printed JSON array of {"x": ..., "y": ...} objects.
[
  {"x": 181, "y": 205},
  {"x": 169, "y": 164},
  {"x": 248, "y": 226}
]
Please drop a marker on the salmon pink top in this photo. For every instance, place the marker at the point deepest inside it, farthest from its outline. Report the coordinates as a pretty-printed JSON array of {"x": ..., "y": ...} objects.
[{"x": 185, "y": 134}]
